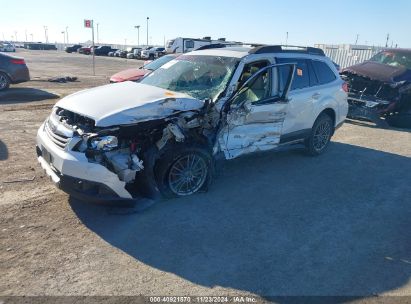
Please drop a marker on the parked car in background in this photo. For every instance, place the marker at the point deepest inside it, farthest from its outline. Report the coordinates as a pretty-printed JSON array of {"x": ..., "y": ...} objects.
[
  {"x": 112, "y": 53},
  {"x": 12, "y": 70},
  {"x": 137, "y": 53},
  {"x": 130, "y": 52},
  {"x": 138, "y": 74},
  {"x": 380, "y": 88},
  {"x": 117, "y": 53},
  {"x": 103, "y": 50},
  {"x": 7, "y": 47},
  {"x": 86, "y": 50},
  {"x": 152, "y": 53},
  {"x": 73, "y": 48}
]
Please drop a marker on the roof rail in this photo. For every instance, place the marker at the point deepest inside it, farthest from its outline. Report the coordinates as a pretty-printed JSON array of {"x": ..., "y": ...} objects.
[
  {"x": 211, "y": 46},
  {"x": 286, "y": 49}
]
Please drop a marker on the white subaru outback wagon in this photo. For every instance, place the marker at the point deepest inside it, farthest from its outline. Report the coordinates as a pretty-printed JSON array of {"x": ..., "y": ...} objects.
[{"x": 162, "y": 135}]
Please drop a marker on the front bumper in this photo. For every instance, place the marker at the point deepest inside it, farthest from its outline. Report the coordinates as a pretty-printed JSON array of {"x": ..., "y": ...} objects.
[
  {"x": 360, "y": 107},
  {"x": 74, "y": 174}
]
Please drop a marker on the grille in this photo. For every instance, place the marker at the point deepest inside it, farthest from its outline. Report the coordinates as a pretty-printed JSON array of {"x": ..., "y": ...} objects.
[{"x": 59, "y": 140}]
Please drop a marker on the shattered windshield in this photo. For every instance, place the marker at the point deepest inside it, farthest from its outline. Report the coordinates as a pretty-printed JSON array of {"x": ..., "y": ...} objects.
[
  {"x": 154, "y": 65},
  {"x": 198, "y": 76},
  {"x": 393, "y": 58}
]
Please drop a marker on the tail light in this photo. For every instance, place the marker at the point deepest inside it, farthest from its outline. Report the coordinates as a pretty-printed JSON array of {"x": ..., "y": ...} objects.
[
  {"x": 345, "y": 87},
  {"x": 17, "y": 61}
]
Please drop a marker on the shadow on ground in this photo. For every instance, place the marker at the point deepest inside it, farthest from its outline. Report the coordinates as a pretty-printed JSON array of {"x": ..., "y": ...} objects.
[
  {"x": 4, "y": 152},
  {"x": 368, "y": 124},
  {"x": 21, "y": 95},
  {"x": 280, "y": 224}
]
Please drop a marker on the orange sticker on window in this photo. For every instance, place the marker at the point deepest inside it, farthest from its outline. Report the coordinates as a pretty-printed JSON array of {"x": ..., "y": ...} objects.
[{"x": 299, "y": 72}]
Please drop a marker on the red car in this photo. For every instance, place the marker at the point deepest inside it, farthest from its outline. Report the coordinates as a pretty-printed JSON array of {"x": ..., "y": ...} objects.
[{"x": 138, "y": 74}]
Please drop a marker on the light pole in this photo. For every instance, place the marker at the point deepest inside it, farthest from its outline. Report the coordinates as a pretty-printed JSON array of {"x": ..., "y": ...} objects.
[
  {"x": 26, "y": 34},
  {"x": 45, "y": 34},
  {"x": 97, "y": 34},
  {"x": 15, "y": 34},
  {"x": 31, "y": 37},
  {"x": 147, "y": 30},
  {"x": 64, "y": 37},
  {"x": 67, "y": 40},
  {"x": 138, "y": 34},
  {"x": 125, "y": 43}
]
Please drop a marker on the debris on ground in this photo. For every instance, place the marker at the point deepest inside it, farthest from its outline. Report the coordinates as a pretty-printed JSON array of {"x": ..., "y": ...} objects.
[{"x": 63, "y": 79}]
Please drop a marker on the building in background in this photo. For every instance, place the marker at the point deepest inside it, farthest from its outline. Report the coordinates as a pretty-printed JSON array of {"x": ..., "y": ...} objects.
[{"x": 346, "y": 55}]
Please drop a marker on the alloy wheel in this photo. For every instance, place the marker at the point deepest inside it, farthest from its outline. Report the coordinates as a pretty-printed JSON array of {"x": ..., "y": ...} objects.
[
  {"x": 188, "y": 174},
  {"x": 322, "y": 135}
]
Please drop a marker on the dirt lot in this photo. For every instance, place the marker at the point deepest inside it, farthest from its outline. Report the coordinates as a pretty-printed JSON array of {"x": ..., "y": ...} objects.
[{"x": 273, "y": 224}]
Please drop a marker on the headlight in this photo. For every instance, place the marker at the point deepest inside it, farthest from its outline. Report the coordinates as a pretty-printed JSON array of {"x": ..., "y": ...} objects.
[{"x": 105, "y": 143}]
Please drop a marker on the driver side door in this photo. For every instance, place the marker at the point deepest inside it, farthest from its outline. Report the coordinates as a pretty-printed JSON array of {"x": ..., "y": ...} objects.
[{"x": 256, "y": 112}]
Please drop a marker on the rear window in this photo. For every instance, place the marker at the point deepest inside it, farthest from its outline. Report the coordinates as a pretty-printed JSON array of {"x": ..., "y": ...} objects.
[
  {"x": 323, "y": 72},
  {"x": 301, "y": 76}
]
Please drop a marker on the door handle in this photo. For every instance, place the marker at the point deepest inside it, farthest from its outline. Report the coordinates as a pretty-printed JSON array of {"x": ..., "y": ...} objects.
[{"x": 316, "y": 96}]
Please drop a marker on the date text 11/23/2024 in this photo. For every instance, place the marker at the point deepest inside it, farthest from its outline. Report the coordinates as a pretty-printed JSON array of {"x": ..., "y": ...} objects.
[{"x": 203, "y": 299}]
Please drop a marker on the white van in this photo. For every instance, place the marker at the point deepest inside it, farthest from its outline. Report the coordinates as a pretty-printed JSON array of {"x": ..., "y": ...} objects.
[{"x": 184, "y": 45}]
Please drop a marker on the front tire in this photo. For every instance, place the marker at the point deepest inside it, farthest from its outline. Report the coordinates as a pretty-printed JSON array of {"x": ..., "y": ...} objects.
[
  {"x": 183, "y": 171},
  {"x": 320, "y": 136},
  {"x": 4, "y": 82}
]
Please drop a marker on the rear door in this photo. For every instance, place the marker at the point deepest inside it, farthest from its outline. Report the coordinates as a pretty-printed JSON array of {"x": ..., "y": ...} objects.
[
  {"x": 256, "y": 112},
  {"x": 303, "y": 94}
]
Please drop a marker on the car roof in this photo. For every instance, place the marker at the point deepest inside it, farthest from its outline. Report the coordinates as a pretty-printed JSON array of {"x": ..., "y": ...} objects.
[{"x": 236, "y": 52}]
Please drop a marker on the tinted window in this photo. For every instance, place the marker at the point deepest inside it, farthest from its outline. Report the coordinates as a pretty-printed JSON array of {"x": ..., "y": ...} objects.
[
  {"x": 323, "y": 71},
  {"x": 189, "y": 44},
  {"x": 301, "y": 76}
]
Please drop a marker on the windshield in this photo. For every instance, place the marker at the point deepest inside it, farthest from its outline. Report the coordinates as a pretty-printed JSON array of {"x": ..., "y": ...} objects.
[
  {"x": 198, "y": 76},
  {"x": 393, "y": 58},
  {"x": 154, "y": 65}
]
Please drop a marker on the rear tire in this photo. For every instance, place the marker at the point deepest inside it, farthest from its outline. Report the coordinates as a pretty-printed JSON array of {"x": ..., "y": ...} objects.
[
  {"x": 4, "y": 81},
  {"x": 183, "y": 170},
  {"x": 320, "y": 136}
]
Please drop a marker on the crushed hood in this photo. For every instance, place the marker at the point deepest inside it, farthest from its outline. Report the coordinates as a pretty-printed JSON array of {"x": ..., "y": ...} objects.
[
  {"x": 127, "y": 102},
  {"x": 380, "y": 72}
]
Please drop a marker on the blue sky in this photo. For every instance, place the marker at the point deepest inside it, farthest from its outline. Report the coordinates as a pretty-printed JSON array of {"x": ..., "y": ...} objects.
[{"x": 263, "y": 21}]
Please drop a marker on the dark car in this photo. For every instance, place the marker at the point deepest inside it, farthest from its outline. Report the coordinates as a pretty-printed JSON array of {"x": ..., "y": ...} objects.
[
  {"x": 138, "y": 74},
  {"x": 12, "y": 70},
  {"x": 73, "y": 48},
  {"x": 103, "y": 50},
  {"x": 380, "y": 88}
]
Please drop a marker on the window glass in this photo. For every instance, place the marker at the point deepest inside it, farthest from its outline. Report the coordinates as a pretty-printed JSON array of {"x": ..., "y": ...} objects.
[
  {"x": 189, "y": 44},
  {"x": 323, "y": 71},
  {"x": 257, "y": 90},
  {"x": 199, "y": 76},
  {"x": 301, "y": 76}
]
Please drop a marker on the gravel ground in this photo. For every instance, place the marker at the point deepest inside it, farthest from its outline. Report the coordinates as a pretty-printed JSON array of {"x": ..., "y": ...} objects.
[{"x": 274, "y": 224}]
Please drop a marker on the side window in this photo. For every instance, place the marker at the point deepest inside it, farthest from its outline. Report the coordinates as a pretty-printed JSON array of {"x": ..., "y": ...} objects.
[
  {"x": 259, "y": 89},
  {"x": 250, "y": 69},
  {"x": 189, "y": 44},
  {"x": 323, "y": 71},
  {"x": 301, "y": 76}
]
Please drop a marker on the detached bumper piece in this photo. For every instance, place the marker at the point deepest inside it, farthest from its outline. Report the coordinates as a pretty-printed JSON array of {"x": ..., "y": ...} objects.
[{"x": 81, "y": 189}]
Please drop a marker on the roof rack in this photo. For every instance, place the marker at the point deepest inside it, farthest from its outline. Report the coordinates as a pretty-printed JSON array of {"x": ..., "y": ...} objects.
[
  {"x": 211, "y": 46},
  {"x": 286, "y": 49}
]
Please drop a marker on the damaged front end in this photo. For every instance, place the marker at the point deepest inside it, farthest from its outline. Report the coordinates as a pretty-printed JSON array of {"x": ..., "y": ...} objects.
[
  {"x": 376, "y": 95},
  {"x": 128, "y": 152}
]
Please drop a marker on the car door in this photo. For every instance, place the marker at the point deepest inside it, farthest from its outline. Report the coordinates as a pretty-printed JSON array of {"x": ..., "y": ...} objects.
[
  {"x": 256, "y": 113},
  {"x": 303, "y": 94}
]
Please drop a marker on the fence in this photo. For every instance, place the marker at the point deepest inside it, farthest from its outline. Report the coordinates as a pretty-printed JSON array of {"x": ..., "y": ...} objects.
[{"x": 346, "y": 55}]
